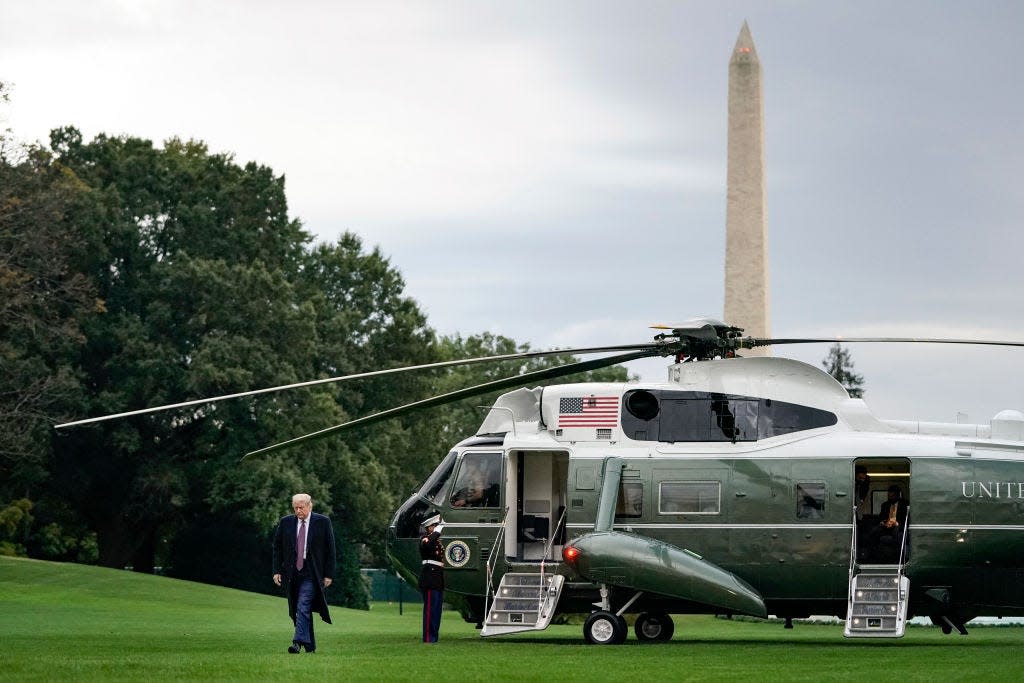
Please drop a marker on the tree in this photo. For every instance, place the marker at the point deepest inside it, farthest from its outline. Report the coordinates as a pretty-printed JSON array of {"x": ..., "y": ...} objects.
[
  {"x": 43, "y": 297},
  {"x": 839, "y": 364},
  {"x": 192, "y": 280},
  {"x": 195, "y": 260},
  {"x": 208, "y": 287},
  {"x": 362, "y": 321}
]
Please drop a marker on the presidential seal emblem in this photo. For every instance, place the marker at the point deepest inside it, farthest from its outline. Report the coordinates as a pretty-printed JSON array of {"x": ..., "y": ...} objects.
[{"x": 457, "y": 554}]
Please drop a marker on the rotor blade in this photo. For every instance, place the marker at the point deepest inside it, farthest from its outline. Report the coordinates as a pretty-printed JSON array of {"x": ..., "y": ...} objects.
[
  {"x": 692, "y": 324},
  {"x": 537, "y": 375},
  {"x": 361, "y": 375},
  {"x": 754, "y": 342}
]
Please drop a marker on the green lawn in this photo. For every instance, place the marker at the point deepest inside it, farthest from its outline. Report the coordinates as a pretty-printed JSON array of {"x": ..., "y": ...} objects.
[{"x": 65, "y": 621}]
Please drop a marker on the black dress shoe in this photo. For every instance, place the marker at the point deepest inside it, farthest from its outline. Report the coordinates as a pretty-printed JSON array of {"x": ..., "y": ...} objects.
[{"x": 294, "y": 649}]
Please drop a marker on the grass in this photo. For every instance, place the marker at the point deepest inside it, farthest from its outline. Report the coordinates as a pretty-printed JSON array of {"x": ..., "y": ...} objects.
[{"x": 65, "y": 621}]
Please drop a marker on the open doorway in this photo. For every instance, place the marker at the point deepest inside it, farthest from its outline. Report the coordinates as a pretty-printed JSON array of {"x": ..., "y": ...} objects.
[
  {"x": 882, "y": 500},
  {"x": 536, "y": 527}
]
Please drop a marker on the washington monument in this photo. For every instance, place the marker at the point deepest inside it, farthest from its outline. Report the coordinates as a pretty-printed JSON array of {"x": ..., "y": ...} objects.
[{"x": 746, "y": 227}]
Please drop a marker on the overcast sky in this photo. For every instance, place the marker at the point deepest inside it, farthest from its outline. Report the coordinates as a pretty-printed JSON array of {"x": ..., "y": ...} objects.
[{"x": 555, "y": 171}]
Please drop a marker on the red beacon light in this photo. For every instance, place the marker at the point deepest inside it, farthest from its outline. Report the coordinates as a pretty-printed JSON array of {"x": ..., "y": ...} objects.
[{"x": 570, "y": 553}]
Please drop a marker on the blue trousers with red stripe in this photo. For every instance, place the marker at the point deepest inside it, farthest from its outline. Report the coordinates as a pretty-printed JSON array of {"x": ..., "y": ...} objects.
[{"x": 432, "y": 600}]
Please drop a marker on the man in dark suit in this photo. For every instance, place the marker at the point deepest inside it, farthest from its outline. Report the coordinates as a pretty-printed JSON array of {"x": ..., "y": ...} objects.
[
  {"x": 888, "y": 536},
  {"x": 304, "y": 564},
  {"x": 894, "y": 510}
]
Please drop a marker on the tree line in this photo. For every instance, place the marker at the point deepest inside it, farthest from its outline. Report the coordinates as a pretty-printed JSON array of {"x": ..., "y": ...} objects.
[{"x": 133, "y": 275}]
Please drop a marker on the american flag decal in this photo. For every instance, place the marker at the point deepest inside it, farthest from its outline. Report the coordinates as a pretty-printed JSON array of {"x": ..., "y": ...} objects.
[{"x": 588, "y": 411}]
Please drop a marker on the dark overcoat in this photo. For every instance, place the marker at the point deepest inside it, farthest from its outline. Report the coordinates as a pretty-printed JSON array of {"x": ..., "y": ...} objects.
[{"x": 320, "y": 553}]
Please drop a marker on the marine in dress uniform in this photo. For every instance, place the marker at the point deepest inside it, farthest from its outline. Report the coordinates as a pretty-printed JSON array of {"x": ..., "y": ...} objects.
[{"x": 432, "y": 577}]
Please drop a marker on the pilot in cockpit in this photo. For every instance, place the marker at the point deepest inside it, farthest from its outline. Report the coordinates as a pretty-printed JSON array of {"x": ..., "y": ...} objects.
[{"x": 477, "y": 485}]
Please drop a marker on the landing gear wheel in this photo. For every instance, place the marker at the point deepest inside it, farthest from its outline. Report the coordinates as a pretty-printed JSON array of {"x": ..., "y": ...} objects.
[
  {"x": 654, "y": 626},
  {"x": 943, "y": 624},
  {"x": 604, "y": 628}
]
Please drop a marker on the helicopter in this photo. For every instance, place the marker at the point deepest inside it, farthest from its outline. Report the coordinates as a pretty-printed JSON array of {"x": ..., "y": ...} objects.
[{"x": 740, "y": 486}]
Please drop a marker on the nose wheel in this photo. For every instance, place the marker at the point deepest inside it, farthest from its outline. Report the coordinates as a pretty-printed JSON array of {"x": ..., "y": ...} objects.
[{"x": 604, "y": 628}]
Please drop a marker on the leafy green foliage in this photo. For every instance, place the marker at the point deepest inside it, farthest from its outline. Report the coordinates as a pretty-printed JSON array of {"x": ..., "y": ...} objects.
[
  {"x": 42, "y": 297},
  {"x": 15, "y": 521},
  {"x": 175, "y": 273}
]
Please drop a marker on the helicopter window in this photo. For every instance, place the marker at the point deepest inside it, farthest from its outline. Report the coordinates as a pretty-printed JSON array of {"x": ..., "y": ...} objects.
[
  {"x": 642, "y": 404},
  {"x": 436, "y": 481},
  {"x": 631, "y": 500},
  {"x": 708, "y": 419},
  {"x": 690, "y": 497},
  {"x": 685, "y": 420},
  {"x": 810, "y": 500},
  {"x": 478, "y": 483},
  {"x": 734, "y": 420},
  {"x": 777, "y": 418},
  {"x": 703, "y": 416}
]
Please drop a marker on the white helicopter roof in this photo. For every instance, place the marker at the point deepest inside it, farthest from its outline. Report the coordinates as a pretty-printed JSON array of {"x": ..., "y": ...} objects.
[
  {"x": 590, "y": 411},
  {"x": 780, "y": 379}
]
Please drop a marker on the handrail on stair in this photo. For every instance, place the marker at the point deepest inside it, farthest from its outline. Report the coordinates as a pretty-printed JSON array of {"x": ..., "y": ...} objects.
[
  {"x": 903, "y": 540},
  {"x": 547, "y": 552},
  {"x": 853, "y": 548},
  {"x": 551, "y": 542},
  {"x": 491, "y": 564}
]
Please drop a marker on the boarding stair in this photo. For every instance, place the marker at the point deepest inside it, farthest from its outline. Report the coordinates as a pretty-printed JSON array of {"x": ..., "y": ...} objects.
[
  {"x": 877, "y": 602},
  {"x": 523, "y": 601}
]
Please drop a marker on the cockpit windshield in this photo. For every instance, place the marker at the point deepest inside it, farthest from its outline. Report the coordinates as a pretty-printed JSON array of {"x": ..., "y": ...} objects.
[
  {"x": 417, "y": 508},
  {"x": 479, "y": 482},
  {"x": 435, "y": 483}
]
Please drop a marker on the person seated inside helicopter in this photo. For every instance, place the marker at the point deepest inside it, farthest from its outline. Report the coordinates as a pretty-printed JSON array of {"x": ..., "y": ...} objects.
[
  {"x": 475, "y": 488},
  {"x": 884, "y": 539}
]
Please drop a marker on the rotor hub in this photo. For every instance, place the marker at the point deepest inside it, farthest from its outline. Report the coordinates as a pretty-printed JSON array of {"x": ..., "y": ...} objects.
[{"x": 702, "y": 339}]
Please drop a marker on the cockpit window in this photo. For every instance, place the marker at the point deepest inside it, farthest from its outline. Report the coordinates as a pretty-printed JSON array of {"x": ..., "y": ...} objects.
[
  {"x": 478, "y": 484},
  {"x": 436, "y": 481}
]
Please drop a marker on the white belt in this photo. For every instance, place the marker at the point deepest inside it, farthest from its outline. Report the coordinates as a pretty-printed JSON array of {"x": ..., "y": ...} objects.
[{"x": 434, "y": 562}]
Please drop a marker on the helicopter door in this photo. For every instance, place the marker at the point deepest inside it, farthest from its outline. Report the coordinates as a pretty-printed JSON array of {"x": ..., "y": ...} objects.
[
  {"x": 880, "y": 540},
  {"x": 540, "y": 503}
]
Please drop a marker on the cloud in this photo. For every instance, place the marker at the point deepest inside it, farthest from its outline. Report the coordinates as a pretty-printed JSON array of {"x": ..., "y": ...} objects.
[{"x": 555, "y": 172}]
